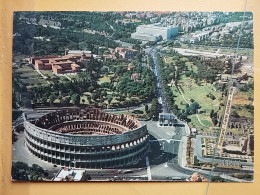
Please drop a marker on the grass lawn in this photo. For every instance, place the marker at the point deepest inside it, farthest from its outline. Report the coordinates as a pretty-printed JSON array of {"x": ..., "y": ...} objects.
[
  {"x": 48, "y": 73},
  {"x": 205, "y": 119},
  {"x": 87, "y": 93},
  {"x": 191, "y": 66},
  {"x": 198, "y": 93},
  {"x": 184, "y": 59},
  {"x": 24, "y": 69},
  {"x": 241, "y": 98},
  {"x": 168, "y": 60},
  {"x": 29, "y": 76},
  {"x": 243, "y": 112},
  {"x": 237, "y": 131},
  {"x": 84, "y": 98},
  {"x": 27, "y": 72},
  {"x": 34, "y": 81},
  {"x": 130, "y": 111},
  {"x": 178, "y": 98},
  {"x": 104, "y": 79}
]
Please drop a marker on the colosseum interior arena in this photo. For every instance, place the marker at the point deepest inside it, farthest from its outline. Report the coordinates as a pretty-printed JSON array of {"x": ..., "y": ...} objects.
[{"x": 87, "y": 138}]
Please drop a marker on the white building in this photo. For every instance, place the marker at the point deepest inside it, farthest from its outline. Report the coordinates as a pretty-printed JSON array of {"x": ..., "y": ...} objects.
[
  {"x": 67, "y": 174},
  {"x": 199, "y": 36},
  {"x": 78, "y": 52},
  {"x": 153, "y": 32}
]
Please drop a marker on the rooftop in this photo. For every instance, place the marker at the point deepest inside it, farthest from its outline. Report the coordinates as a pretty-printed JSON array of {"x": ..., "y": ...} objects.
[
  {"x": 157, "y": 26},
  {"x": 70, "y": 174},
  {"x": 78, "y": 52}
]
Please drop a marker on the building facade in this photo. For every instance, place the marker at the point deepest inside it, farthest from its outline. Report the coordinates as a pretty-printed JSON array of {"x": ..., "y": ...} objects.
[
  {"x": 153, "y": 32},
  {"x": 68, "y": 63},
  {"x": 126, "y": 53}
]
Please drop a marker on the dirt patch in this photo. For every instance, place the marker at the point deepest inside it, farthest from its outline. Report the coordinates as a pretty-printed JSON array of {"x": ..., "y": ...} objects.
[{"x": 241, "y": 99}]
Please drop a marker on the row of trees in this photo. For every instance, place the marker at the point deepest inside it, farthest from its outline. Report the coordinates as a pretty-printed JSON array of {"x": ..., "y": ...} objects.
[
  {"x": 130, "y": 40},
  {"x": 154, "y": 109},
  {"x": 168, "y": 94}
]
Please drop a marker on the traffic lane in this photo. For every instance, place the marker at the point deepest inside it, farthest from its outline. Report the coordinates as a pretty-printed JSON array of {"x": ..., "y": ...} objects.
[
  {"x": 166, "y": 170},
  {"x": 113, "y": 174}
]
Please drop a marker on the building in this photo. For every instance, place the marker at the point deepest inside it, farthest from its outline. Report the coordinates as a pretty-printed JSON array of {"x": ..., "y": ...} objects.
[
  {"x": 61, "y": 64},
  {"x": 193, "y": 131},
  {"x": 66, "y": 174},
  {"x": 197, "y": 177},
  {"x": 199, "y": 36},
  {"x": 126, "y": 53},
  {"x": 166, "y": 119},
  {"x": 154, "y": 32},
  {"x": 87, "y": 138},
  {"x": 73, "y": 52},
  {"x": 109, "y": 57}
]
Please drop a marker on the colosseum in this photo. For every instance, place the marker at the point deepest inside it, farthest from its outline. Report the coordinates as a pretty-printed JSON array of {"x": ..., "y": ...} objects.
[{"x": 87, "y": 138}]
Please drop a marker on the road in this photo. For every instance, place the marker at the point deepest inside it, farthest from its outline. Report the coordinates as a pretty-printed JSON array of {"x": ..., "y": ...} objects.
[
  {"x": 217, "y": 47},
  {"x": 175, "y": 147},
  {"x": 159, "y": 88}
]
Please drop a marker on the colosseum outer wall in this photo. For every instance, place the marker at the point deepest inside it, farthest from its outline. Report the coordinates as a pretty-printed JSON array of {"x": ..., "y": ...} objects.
[{"x": 88, "y": 151}]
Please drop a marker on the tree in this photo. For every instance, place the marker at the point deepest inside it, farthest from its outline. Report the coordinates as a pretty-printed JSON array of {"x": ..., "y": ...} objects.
[
  {"x": 52, "y": 97},
  {"x": 65, "y": 101},
  {"x": 75, "y": 98},
  {"x": 91, "y": 89},
  {"x": 36, "y": 172},
  {"x": 146, "y": 108},
  {"x": 109, "y": 100},
  {"x": 194, "y": 107},
  {"x": 211, "y": 113},
  {"x": 94, "y": 96},
  {"x": 86, "y": 176},
  {"x": 103, "y": 93},
  {"x": 196, "y": 161},
  {"x": 20, "y": 171},
  {"x": 89, "y": 99},
  {"x": 235, "y": 114},
  {"x": 44, "y": 100},
  {"x": 153, "y": 111},
  {"x": 183, "y": 116},
  {"x": 217, "y": 179},
  {"x": 126, "y": 103}
]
